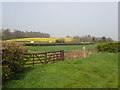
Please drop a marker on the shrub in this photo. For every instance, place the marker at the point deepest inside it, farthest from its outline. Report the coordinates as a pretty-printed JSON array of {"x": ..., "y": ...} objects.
[
  {"x": 76, "y": 54},
  {"x": 109, "y": 47},
  {"x": 60, "y": 41},
  {"x": 12, "y": 58}
]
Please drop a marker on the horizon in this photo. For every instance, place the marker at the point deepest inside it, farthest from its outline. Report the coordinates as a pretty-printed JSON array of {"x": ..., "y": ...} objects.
[{"x": 59, "y": 37}]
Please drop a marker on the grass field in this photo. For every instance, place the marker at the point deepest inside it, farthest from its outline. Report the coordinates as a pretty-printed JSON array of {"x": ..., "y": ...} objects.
[
  {"x": 53, "y": 48},
  {"x": 94, "y": 71}
]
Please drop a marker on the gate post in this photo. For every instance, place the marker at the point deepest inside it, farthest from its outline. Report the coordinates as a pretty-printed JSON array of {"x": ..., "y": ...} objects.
[
  {"x": 33, "y": 59},
  {"x": 62, "y": 55},
  {"x": 46, "y": 58}
]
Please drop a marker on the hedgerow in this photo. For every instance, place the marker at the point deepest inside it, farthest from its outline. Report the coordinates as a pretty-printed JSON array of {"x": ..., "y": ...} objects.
[
  {"x": 109, "y": 47},
  {"x": 12, "y": 58},
  {"x": 54, "y": 44}
]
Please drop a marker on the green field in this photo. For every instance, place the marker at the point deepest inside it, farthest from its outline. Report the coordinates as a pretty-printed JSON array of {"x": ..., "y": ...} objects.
[
  {"x": 94, "y": 71},
  {"x": 53, "y": 48}
]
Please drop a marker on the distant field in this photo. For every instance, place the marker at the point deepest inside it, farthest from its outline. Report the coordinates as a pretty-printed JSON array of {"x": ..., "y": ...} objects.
[
  {"x": 95, "y": 71},
  {"x": 53, "y": 48},
  {"x": 41, "y": 39}
]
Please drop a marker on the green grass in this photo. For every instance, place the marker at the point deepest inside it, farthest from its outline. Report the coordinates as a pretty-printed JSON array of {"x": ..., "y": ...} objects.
[
  {"x": 95, "y": 71},
  {"x": 58, "y": 47},
  {"x": 53, "y": 48}
]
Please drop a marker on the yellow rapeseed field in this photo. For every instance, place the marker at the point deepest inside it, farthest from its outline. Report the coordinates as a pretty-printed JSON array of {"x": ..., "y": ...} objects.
[{"x": 67, "y": 39}]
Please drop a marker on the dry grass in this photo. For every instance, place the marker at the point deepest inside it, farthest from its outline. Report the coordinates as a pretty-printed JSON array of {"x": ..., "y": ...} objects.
[{"x": 79, "y": 53}]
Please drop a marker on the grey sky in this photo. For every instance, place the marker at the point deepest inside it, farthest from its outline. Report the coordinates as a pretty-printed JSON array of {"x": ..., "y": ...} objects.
[{"x": 62, "y": 19}]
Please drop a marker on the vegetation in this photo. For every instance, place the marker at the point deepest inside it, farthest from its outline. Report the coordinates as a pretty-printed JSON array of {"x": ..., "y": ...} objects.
[
  {"x": 54, "y": 44},
  {"x": 7, "y": 34},
  {"x": 19, "y": 36},
  {"x": 93, "y": 39},
  {"x": 63, "y": 40},
  {"x": 74, "y": 51},
  {"x": 12, "y": 58},
  {"x": 95, "y": 71},
  {"x": 48, "y": 40},
  {"x": 54, "y": 48},
  {"x": 60, "y": 41},
  {"x": 109, "y": 47}
]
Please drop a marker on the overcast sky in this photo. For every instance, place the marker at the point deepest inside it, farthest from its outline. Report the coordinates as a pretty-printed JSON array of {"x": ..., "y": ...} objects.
[{"x": 60, "y": 19}]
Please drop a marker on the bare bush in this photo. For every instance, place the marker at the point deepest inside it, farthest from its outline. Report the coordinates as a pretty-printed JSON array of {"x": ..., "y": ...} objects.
[{"x": 78, "y": 53}]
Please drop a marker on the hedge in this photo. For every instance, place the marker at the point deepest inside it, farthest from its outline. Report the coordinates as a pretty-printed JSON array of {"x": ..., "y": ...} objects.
[
  {"x": 54, "y": 44},
  {"x": 12, "y": 58},
  {"x": 109, "y": 47}
]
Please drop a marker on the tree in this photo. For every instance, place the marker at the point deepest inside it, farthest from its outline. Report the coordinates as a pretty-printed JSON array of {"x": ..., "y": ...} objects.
[
  {"x": 18, "y": 34},
  {"x": 109, "y": 39},
  {"x": 103, "y": 39},
  {"x": 76, "y": 39},
  {"x": 67, "y": 36},
  {"x": 6, "y": 34},
  {"x": 89, "y": 36},
  {"x": 60, "y": 41}
]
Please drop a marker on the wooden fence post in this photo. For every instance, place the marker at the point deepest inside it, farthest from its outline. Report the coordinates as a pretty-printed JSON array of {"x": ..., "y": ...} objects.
[
  {"x": 46, "y": 58},
  {"x": 62, "y": 55},
  {"x": 33, "y": 59}
]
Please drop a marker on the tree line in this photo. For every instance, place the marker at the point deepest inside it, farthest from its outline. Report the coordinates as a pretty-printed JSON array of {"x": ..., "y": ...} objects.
[
  {"x": 7, "y": 34},
  {"x": 89, "y": 38}
]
